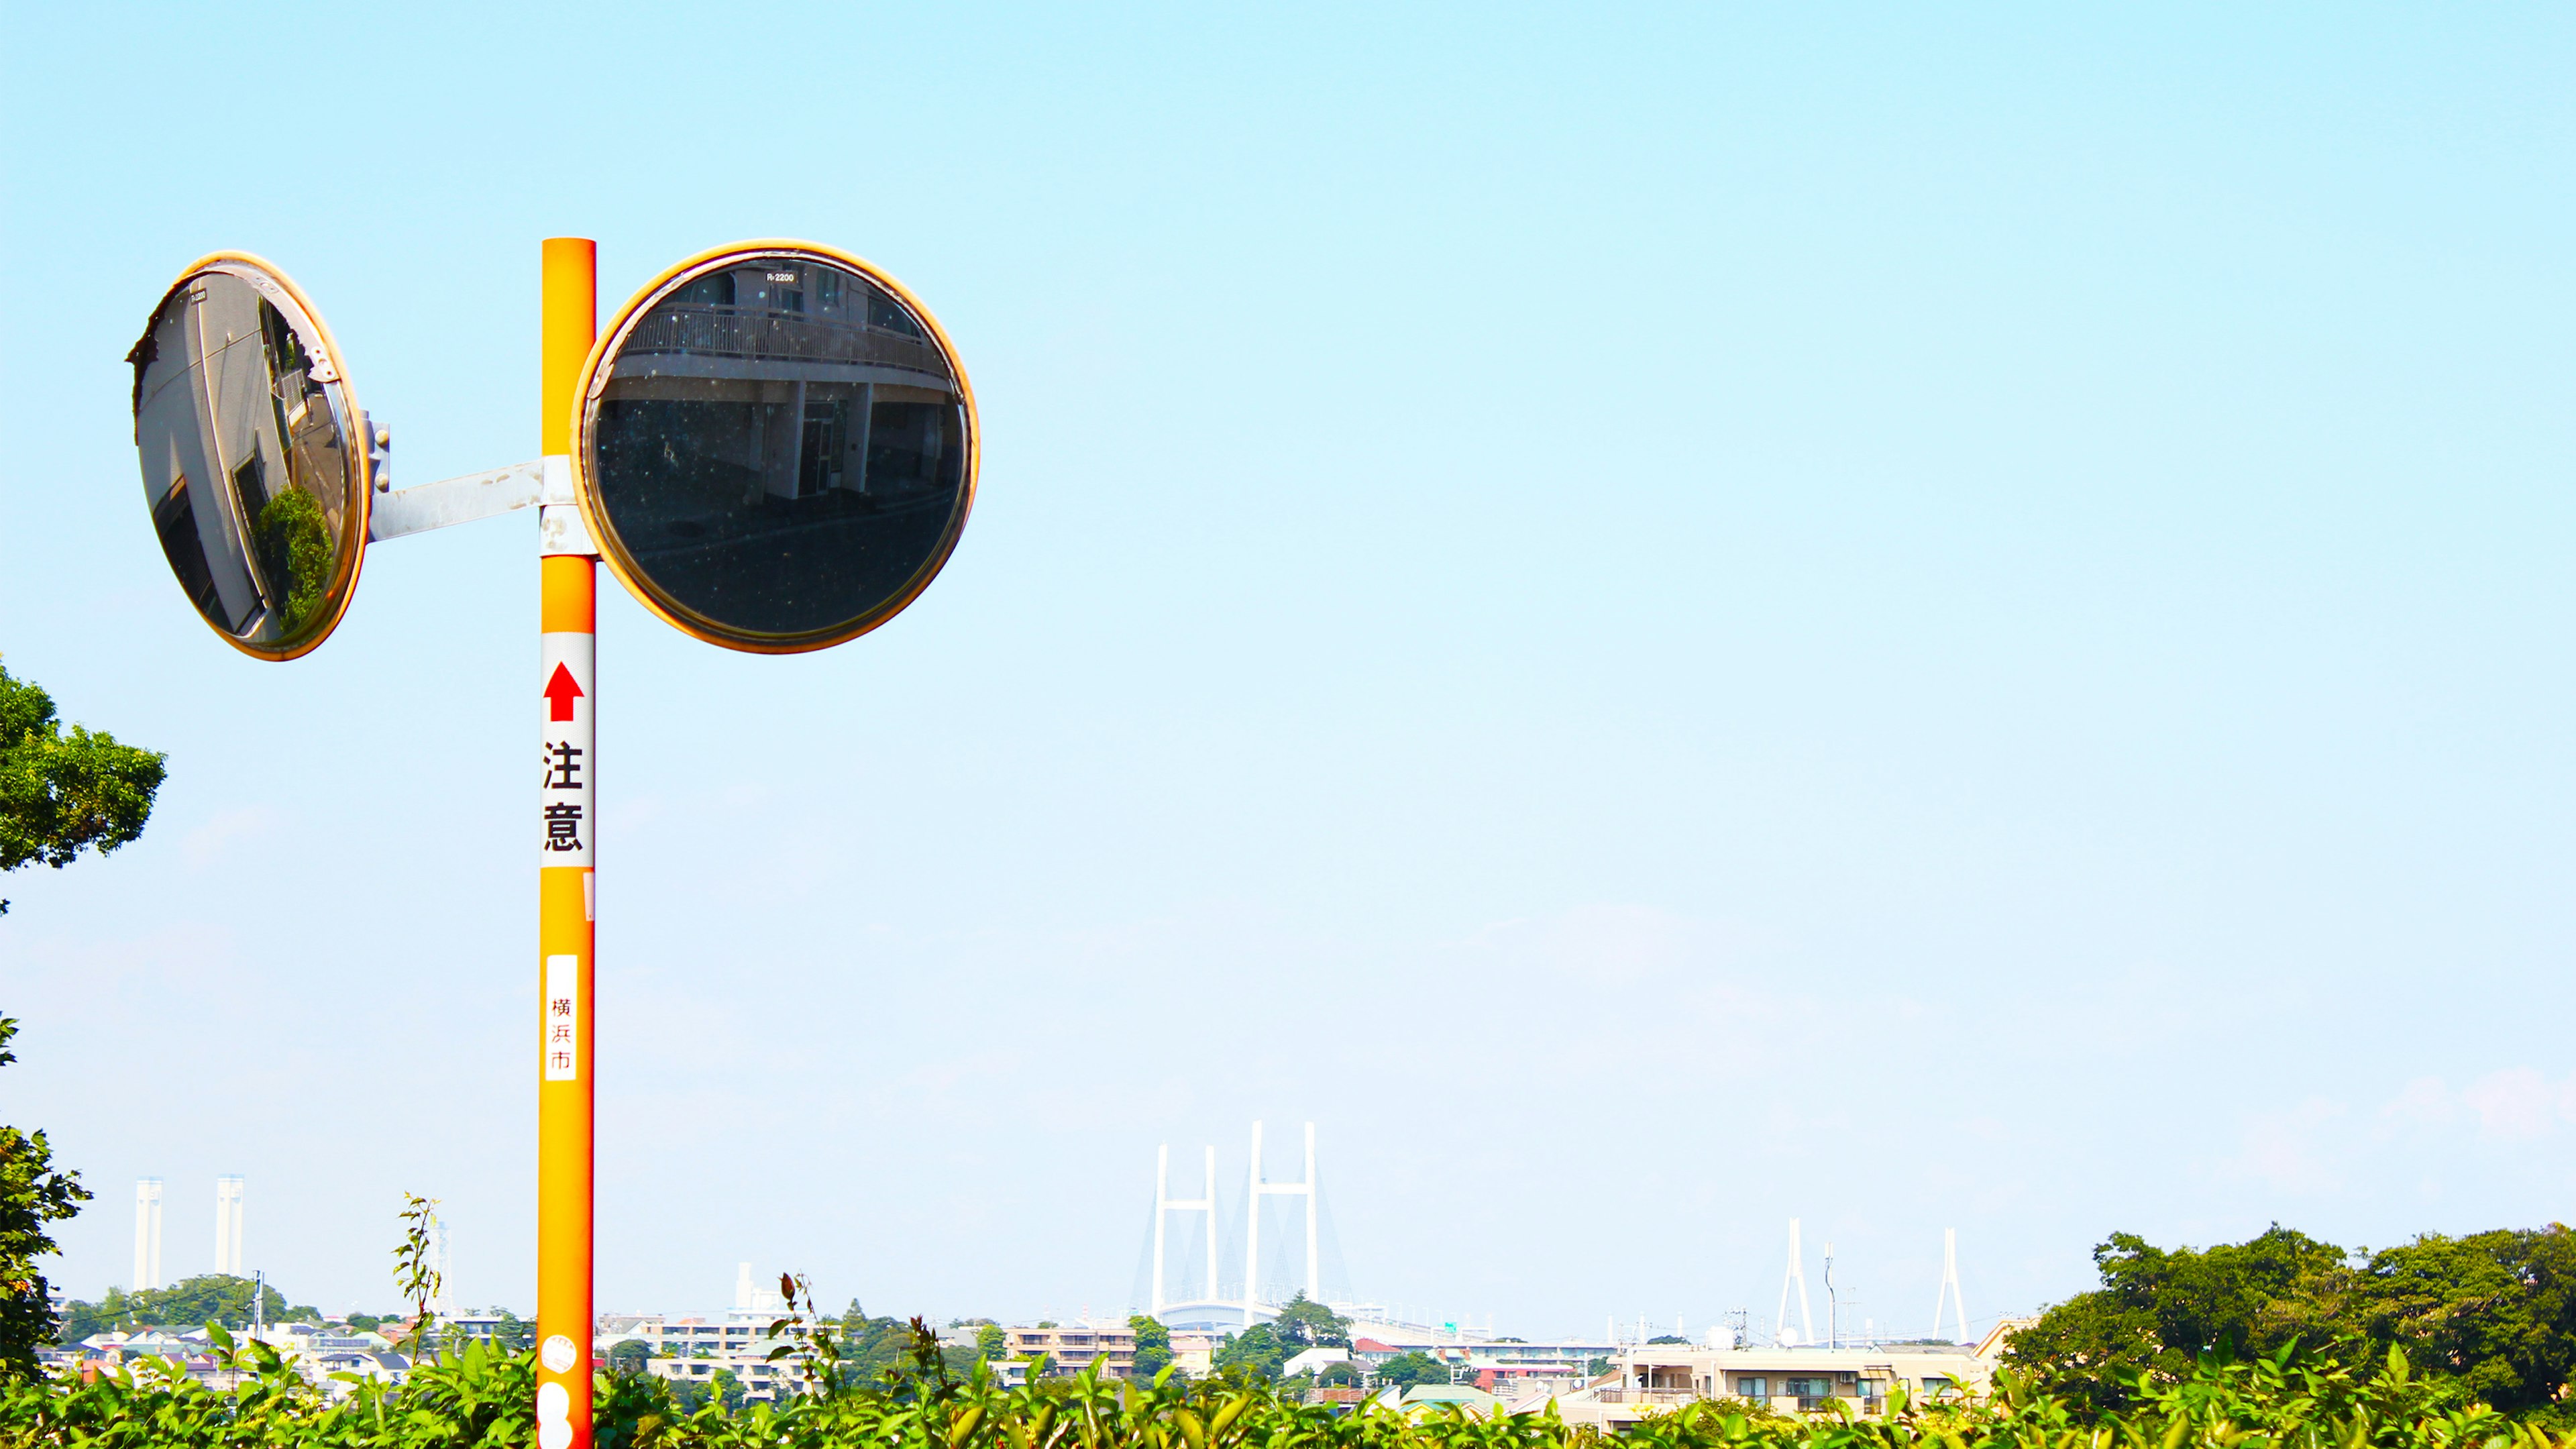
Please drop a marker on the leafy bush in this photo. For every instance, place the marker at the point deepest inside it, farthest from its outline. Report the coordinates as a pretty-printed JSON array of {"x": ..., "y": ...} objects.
[
  {"x": 482, "y": 1397},
  {"x": 2494, "y": 1311}
]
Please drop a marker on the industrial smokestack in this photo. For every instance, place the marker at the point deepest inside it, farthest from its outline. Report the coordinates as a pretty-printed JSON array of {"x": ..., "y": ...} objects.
[
  {"x": 228, "y": 1225},
  {"x": 147, "y": 1233}
]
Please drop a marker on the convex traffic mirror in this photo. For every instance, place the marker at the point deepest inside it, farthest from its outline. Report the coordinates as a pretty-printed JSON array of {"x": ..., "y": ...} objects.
[
  {"x": 255, "y": 458},
  {"x": 774, "y": 446}
]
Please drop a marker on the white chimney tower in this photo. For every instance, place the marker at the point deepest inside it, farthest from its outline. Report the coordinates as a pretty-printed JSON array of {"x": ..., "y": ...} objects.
[
  {"x": 742, "y": 1286},
  {"x": 147, "y": 1233},
  {"x": 228, "y": 1225}
]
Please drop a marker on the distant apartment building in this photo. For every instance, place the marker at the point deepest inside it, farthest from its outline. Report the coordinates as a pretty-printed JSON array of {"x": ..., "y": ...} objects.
[
  {"x": 1071, "y": 1348},
  {"x": 1656, "y": 1378}
]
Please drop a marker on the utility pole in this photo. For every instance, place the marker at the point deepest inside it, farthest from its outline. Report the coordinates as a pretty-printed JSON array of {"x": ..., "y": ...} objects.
[{"x": 1833, "y": 1304}]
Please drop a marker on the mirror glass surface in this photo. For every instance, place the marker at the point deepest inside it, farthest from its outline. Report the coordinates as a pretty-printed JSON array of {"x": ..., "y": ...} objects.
[
  {"x": 778, "y": 446},
  {"x": 245, "y": 437}
]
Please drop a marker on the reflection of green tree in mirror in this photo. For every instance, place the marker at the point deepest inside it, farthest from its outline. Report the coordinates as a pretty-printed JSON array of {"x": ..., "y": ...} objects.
[{"x": 295, "y": 549}]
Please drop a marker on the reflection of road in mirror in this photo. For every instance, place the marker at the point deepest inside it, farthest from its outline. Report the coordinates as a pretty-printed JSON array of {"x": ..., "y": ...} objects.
[
  {"x": 780, "y": 447},
  {"x": 245, "y": 459}
]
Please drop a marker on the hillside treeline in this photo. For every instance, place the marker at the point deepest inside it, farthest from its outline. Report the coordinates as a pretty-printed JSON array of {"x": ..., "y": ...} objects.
[{"x": 2492, "y": 1314}]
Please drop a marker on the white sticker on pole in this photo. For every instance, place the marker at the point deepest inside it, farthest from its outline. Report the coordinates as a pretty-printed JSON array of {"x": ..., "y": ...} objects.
[
  {"x": 563, "y": 1019},
  {"x": 564, "y": 814}
]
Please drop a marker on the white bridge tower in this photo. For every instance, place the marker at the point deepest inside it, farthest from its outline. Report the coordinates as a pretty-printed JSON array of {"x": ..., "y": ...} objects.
[
  {"x": 1252, "y": 1226},
  {"x": 1797, "y": 1274},
  {"x": 1164, "y": 1203},
  {"x": 1950, "y": 1286}
]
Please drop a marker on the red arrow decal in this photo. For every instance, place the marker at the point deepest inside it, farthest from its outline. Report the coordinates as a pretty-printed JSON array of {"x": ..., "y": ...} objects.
[{"x": 560, "y": 693}]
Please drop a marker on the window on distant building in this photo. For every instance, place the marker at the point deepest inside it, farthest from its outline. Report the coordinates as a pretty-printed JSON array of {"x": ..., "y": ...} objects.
[
  {"x": 715, "y": 291},
  {"x": 1752, "y": 1386}
]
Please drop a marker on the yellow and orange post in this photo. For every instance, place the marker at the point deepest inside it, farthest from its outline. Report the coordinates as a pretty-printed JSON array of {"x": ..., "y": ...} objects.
[{"x": 566, "y": 894}]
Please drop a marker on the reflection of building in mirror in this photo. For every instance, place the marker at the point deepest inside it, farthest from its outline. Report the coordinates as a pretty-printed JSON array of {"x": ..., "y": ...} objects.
[
  {"x": 788, "y": 379},
  {"x": 245, "y": 463}
]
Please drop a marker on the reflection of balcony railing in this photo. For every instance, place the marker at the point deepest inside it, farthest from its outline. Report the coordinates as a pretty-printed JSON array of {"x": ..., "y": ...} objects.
[{"x": 755, "y": 332}]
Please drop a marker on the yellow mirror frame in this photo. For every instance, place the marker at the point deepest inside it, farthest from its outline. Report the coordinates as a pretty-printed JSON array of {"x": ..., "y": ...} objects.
[{"x": 261, "y": 273}]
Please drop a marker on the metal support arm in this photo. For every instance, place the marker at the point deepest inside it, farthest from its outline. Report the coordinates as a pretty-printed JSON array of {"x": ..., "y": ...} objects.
[{"x": 456, "y": 500}]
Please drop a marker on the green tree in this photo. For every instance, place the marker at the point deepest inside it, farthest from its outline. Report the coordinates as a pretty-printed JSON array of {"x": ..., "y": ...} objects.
[
  {"x": 726, "y": 1389},
  {"x": 1408, "y": 1369},
  {"x": 1153, "y": 1345},
  {"x": 2496, "y": 1310},
  {"x": 1335, "y": 1375},
  {"x": 190, "y": 1303},
  {"x": 33, "y": 1195},
  {"x": 1307, "y": 1324},
  {"x": 63, "y": 794},
  {"x": 872, "y": 1348},
  {"x": 1257, "y": 1351},
  {"x": 991, "y": 1342},
  {"x": 628, "y": 1356},
  {"x": 2158, "y": 1311},
  {"x": 512, "y": 1333},
  {"x": 2492, "y": 1313}
]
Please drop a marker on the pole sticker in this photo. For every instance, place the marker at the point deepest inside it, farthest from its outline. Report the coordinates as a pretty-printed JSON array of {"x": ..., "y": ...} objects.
[
  {"x": 565, "y": 818},
  {"x": 563, "y": 1019}
]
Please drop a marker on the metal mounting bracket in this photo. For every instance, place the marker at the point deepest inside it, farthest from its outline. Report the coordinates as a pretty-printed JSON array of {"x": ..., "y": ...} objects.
[{"x": 456, "y": 500}]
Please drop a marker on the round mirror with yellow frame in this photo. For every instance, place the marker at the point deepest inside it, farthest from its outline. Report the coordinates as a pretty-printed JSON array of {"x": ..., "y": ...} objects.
[
  {"x": 774, "y": 446},
  {"x": 256, "y": 470}
]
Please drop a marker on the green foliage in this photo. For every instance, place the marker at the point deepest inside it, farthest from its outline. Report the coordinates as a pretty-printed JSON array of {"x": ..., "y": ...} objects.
[
  {"x": 1256, "y": 1352},
  {"x": 1306, "y": 1324},
  {"x": 485, "y": 1398},
  {"x": 512, "y": 1334},
  {"x": 1407, "y": 1369},
  {"x": 2495, "y": 1312},
  {"x": 295, "y": 552},
  {"x": 628, "y": 1356},
  {"x": 191, "y": 1303},
  {"x": 413, "y": 1275},
  {"x": 721, "y": 1393},
  {"x": 872, "y": 1347},
  {"x": 32, "y": 1195},
  {"x": 61, "y": 795},
  {"x": 991, "y": 1342},
  {"x": 1153, "y": 1346}
]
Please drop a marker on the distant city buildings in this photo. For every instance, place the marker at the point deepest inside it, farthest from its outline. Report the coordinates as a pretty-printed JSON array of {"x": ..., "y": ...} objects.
[{"x": 1072, "y": 1348}]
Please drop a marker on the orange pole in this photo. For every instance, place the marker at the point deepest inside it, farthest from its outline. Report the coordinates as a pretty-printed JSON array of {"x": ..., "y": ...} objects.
[{"x": 566, "y": 895}]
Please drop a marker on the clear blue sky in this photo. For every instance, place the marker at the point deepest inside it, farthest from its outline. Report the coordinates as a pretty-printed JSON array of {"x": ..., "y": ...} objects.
[{"x": 1660, "y": 619}]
